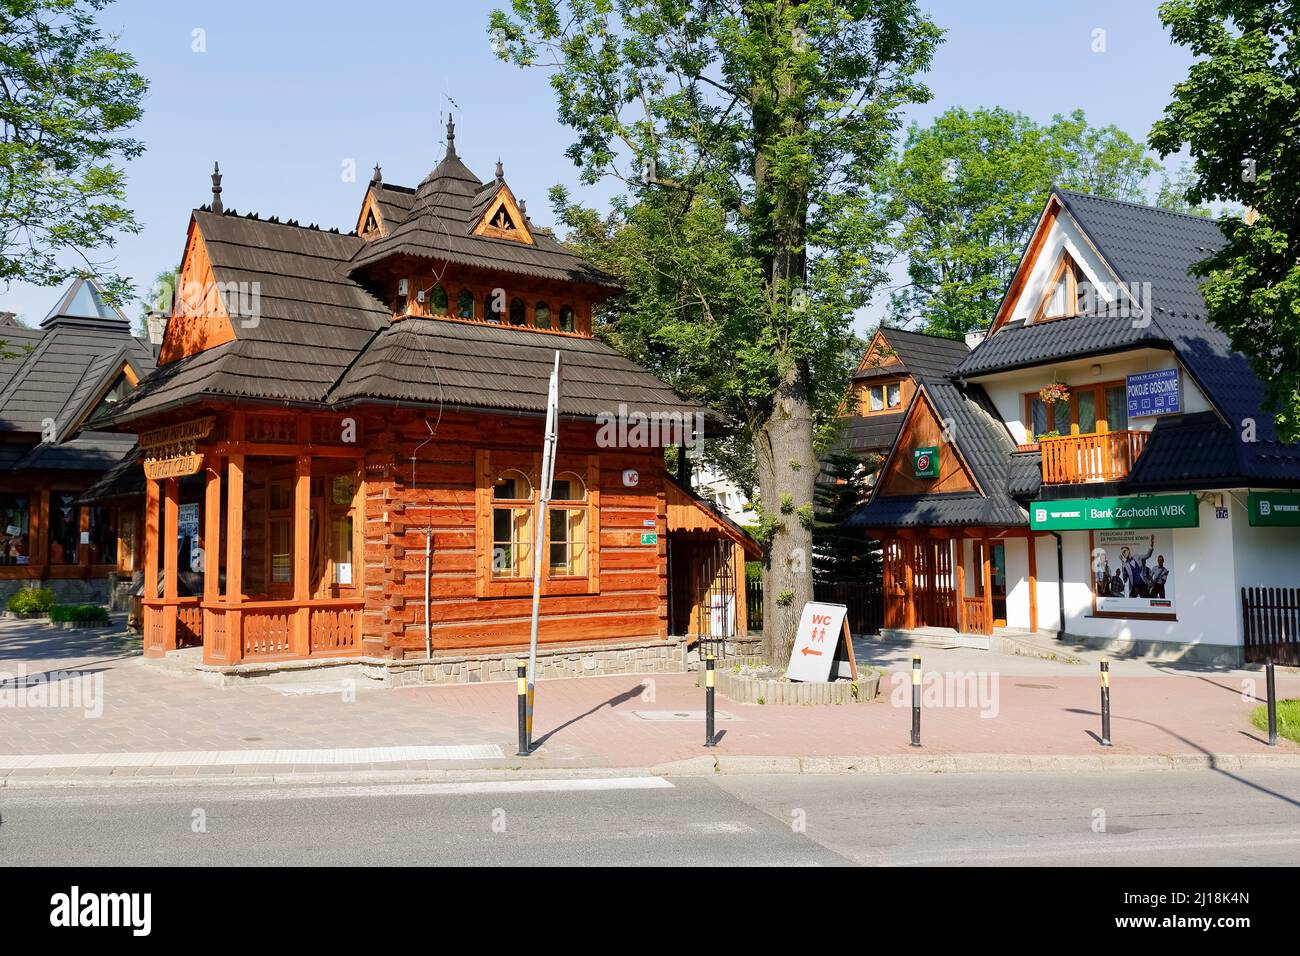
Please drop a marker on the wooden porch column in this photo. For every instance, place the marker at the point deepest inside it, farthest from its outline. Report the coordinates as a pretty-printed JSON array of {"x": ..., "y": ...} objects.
[
  {"x": 83, "y": 550},
  {"x": 151, "y": 544},
  {"x": 1032, "y": 541},
  {"x": 960, "y": 541},
  {"x": 171, "y": 532},
  {"x": 988, "y": 584},
  {"x": 212, "y": 533},
  {"x": 235, "y": 561},
  {"x": 909, "y": 598},
  {"x": 302, "y": 555}
]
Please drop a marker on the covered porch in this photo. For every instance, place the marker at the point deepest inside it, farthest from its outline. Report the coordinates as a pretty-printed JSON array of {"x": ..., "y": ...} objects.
[
  {"x": 253, "y": 537},
  {"x": 953, "y": 578}
]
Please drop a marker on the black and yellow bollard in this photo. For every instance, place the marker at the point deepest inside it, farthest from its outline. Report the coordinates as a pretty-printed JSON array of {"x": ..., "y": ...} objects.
[
  {"x": 916, "y": 701},
  {"x": 708, "y": 700},
  {"x": 1272, "y": 704},
  {"x": 521, "y": 682},
  {"x": 1105, "y": 703}
]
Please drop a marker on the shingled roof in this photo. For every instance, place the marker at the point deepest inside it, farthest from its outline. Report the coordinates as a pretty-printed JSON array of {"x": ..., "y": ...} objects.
[
  {"x": 57, "y": 374},
  {"x": 439, "y": 219},
  {"x": 984, "y": 444},
  {"x": 918, "y": 353},
  {"x": 1143, "y": 244},
  {"x": 432, "y": 361}
]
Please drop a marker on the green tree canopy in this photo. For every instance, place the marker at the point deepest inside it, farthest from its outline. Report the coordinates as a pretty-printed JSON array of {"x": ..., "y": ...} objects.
[
  {"x": 1238, "y": 114},
  {"x": 966, "y": 192},
  {"x": 747, "y": 133},
  {"x": 66, "y": 97}
]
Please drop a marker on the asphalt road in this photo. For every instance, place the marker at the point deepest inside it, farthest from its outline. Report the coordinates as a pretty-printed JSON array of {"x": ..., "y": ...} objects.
[{"x": 1202, "y": 818}]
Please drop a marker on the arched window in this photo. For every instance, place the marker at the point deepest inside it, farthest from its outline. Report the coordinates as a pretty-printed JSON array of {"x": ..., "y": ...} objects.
[
  {"x": 494, "y": 306},
  {"x": 465, "y": 304},
  {"x": 437, "y": 301},
  {"x": 567, "y": 531},
  {"x": 542, "y": 315},
  {"x": 512, "y": 525},
  {"x": 518, "y": 312},
  {"x": 566, "y": 318}
]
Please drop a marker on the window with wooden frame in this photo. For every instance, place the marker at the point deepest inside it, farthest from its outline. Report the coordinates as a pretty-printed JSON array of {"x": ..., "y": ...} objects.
[
  {"x": 566, "y": 318},
  {"x": 1090, "y": 409},
  {"x": 1066, "y": 292},
  {"x": 465, "y": 305},
  {"x": 279, "y": 537},
  {"x": 437, "y": 304},
  {"x": 542, "y": 315},
  {"x": 882, "y": 397},
  {"x": 507, "y": 498},
  {"x": 567, "y": 532}
]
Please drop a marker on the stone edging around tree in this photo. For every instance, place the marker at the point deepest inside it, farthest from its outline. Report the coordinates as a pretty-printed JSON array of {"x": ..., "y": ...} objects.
[{"x": 744, "y": 689}]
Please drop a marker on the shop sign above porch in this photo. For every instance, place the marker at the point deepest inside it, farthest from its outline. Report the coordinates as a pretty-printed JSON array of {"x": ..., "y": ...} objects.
[
  {"x": 925, "y": 461},
  {"x": 172, "y": 451},
  {"x": 1273, "y": 509},
  {"x": 1147, "y": 511}
]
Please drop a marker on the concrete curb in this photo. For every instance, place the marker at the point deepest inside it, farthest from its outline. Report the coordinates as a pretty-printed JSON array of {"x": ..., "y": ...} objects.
[{"x": 702, "y": 766}]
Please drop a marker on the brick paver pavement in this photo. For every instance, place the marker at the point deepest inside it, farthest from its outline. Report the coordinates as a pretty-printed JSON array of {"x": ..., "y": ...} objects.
[{"x": 1040, "y": 708}]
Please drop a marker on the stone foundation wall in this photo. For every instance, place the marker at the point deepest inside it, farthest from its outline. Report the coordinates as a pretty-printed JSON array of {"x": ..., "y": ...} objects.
[{"x": 74, "y": 591}]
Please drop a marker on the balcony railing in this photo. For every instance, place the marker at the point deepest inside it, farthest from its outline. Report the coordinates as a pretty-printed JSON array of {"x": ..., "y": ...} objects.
[{"x": 1100, "y": 456}]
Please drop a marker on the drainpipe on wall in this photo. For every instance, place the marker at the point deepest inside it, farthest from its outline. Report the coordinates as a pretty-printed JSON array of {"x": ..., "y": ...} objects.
[
  {"x": 1060, "y": 583},
  {"x": 428, "y": 571}
]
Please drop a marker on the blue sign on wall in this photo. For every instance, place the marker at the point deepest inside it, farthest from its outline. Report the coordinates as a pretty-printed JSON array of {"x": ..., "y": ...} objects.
[{"x": 1153, "y": 393}]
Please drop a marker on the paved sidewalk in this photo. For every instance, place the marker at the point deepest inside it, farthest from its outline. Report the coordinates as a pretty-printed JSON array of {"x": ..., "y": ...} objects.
[{"x": 1029, "y": 708}]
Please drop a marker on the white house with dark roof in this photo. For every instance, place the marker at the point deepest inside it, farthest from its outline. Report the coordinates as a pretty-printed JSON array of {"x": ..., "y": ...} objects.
[{"x": 1101, "y": 465}]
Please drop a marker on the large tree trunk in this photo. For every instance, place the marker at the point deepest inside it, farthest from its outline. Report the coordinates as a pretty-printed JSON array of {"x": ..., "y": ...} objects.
[{"x": 786, "y": 471}]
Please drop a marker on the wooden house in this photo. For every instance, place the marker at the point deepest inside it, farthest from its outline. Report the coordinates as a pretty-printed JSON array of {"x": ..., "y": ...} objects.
[
  {"x": 338, "y": 411},
  {"x": 80, "y": 360},
  {"x": 884, "y": 383}
]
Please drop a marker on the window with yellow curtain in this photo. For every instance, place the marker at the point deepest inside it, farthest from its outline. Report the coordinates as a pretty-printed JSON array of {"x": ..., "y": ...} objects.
[
  {"x": 567, "y": 529},
  {"x": 512, "y": 525}
]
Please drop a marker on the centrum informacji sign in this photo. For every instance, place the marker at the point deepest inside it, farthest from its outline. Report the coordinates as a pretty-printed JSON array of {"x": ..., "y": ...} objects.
[{"x": 1146, "y": 511}]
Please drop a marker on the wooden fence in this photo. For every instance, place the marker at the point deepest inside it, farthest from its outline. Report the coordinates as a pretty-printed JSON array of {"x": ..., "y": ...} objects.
[{"x": 1271, "y": 624}]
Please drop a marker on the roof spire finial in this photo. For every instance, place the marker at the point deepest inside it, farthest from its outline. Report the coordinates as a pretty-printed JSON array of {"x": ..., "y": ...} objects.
[
  {"x": 216, "y": 188},
  {"x": 501, "y": 171},
  {"x": 451, "y": 134},
  {"x": 377, "y": 176}
]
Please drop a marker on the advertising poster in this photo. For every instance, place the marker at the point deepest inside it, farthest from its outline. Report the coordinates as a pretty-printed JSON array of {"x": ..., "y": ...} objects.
[{"x": 1132, "y": 571}]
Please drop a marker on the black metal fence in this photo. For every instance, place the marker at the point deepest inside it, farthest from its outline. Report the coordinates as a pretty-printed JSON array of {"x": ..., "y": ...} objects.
[{"x": 864, "y": 600}]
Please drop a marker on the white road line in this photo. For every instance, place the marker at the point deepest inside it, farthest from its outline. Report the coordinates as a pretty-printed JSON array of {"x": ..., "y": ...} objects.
[
  {"x": 465, "y": 787},
  {"x": 261, "y": 758}
]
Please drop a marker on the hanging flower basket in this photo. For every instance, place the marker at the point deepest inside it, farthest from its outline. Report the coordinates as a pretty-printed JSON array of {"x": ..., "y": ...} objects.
[{"x": 1056, "y": 392}]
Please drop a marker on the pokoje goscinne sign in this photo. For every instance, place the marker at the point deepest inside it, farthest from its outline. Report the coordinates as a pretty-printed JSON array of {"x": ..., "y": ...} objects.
[{"x": 1146, "y": 511}]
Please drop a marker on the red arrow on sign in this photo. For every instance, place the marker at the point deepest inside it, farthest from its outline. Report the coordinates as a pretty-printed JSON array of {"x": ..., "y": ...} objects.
[{"x": 808, "y": 650}]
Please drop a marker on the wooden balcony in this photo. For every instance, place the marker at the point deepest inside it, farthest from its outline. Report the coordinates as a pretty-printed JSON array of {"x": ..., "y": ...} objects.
[{"x": 1099, "y": 456}]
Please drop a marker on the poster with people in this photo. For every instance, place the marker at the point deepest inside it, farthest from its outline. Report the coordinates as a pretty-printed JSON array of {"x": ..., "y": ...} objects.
[{"x": 1132, "y": 571}]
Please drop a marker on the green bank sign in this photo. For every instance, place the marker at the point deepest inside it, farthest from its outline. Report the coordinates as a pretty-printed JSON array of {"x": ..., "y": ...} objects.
[
  {"x": 925, "y": 462},
  {"x": 1148, "y": 511},
  {"x": 1275, "y": 509}
]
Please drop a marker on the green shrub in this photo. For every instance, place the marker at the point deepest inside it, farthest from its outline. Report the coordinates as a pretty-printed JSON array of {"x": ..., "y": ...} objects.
[
  {"x": 31, "y": 601},
  {"x": 80, "y": 613}
]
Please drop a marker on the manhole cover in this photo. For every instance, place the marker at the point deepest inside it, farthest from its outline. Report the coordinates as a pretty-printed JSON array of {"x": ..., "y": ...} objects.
[{"x": 1038, "y": 686}]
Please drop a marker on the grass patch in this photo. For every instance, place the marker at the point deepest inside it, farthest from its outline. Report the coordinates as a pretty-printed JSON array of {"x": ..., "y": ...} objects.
[{"x": 1288, "y": 719}]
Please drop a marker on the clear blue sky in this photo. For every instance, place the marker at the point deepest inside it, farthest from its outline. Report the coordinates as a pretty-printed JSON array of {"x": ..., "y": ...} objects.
[{"x": 286, "y": 93}]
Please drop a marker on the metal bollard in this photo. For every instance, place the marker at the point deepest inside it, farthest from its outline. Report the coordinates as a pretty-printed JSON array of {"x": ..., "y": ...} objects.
[
  {"x": 916, "y": 701},
  {"x": 1105, "y": 703},
  {"x": 521, "y": 682},
  {"x": 1272, "y": 704},
  {"x": 708, "y": 701}
]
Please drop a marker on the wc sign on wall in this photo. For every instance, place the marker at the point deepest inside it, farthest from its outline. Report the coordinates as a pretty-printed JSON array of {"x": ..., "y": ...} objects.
[{"x": 822, "y": 645}]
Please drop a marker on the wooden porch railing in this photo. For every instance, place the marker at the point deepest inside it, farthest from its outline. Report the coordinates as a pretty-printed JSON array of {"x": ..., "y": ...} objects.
[
  {"x": 977, "y": 621},
  {"x": 159, "y": 615},
  {"x": 1099, "y": 456},
  {"x": 281, "y": 630},
  {"x": 1270, "y": 619}
]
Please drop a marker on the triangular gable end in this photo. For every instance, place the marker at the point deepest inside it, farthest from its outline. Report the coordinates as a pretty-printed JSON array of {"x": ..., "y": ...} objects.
[
  {"x": 924, "y": 428},
  {"x": 118, "y": 386},
  {"x": 503, "y": 220},
  {"x": 879, "y": 354},
  {"x": 198, "y": 320},
  {"x": 370, "y": 223},
  {"x": 1026, "y": 267}
]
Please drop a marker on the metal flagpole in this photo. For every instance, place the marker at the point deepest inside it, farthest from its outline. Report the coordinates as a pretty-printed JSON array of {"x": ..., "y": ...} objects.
[{"x": 540, "y": 524}]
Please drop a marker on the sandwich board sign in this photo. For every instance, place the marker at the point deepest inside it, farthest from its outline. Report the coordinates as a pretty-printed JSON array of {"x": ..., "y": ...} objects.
[{"x": 823, "y": 647}]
